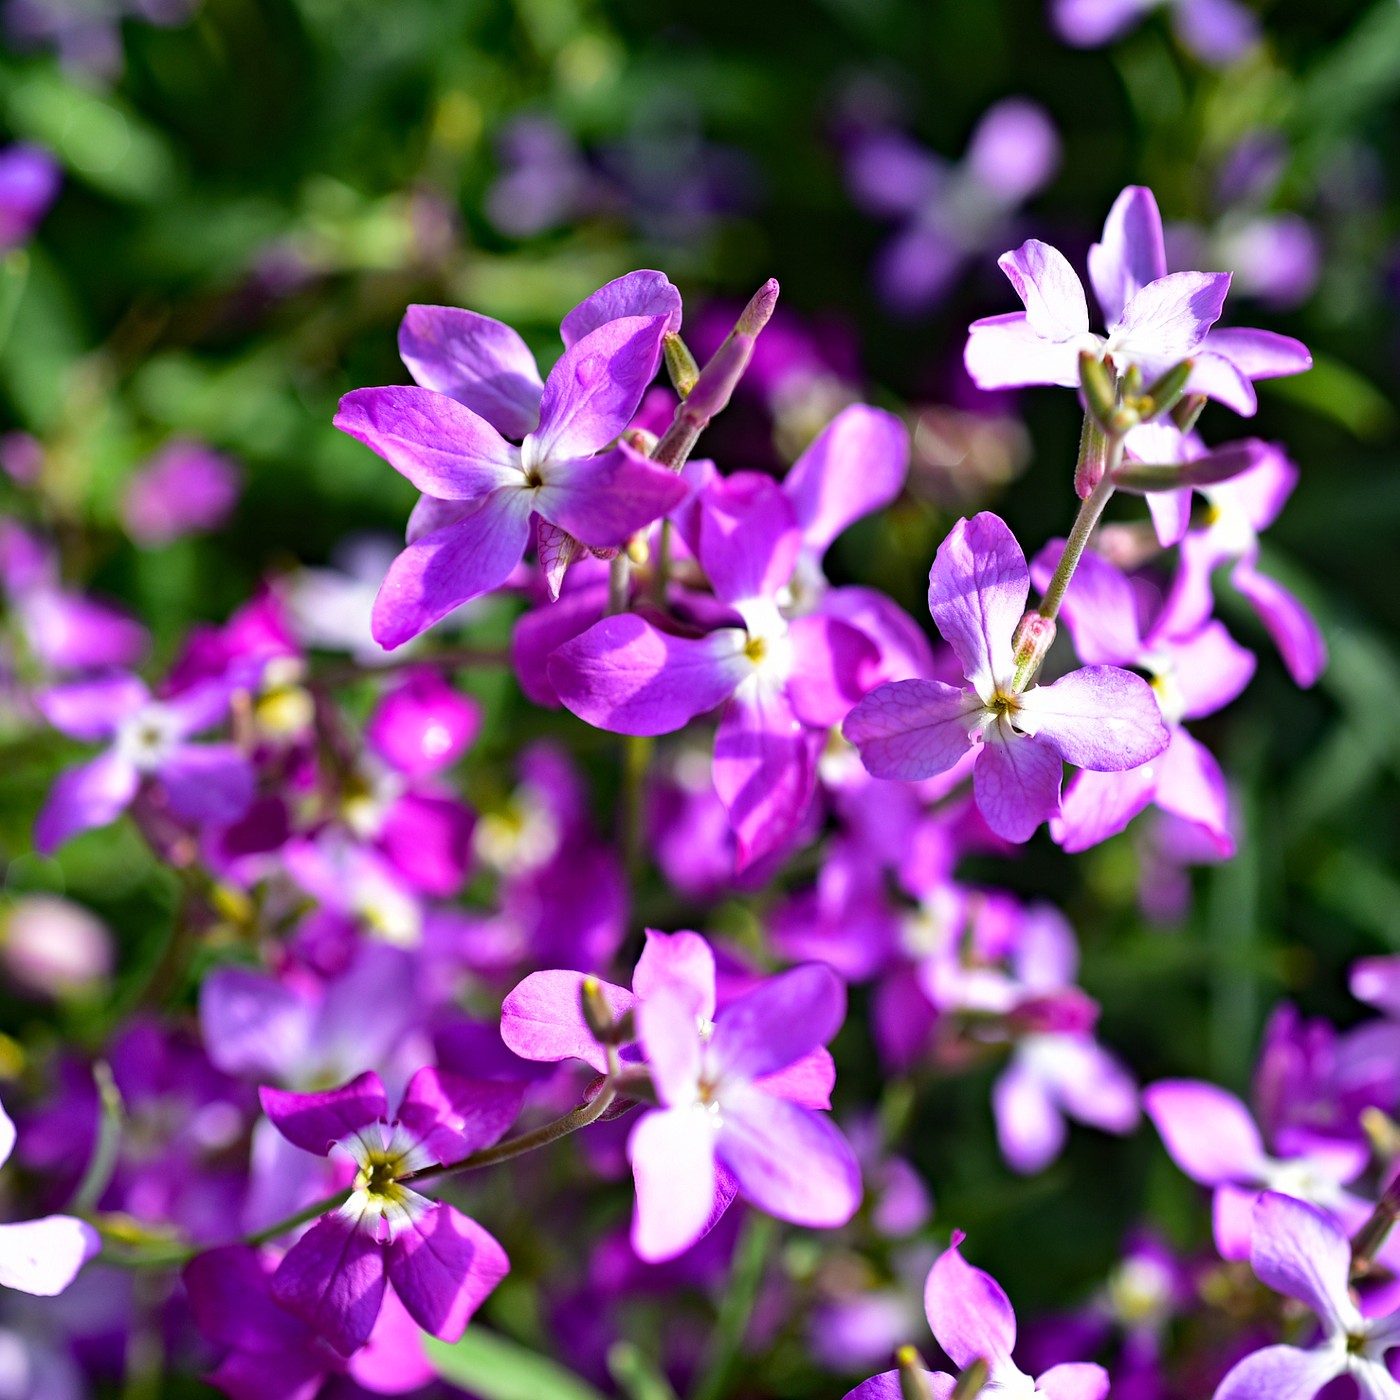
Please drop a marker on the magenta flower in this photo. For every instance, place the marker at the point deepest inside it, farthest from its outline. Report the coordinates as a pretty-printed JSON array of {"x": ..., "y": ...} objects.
[
  {"x": 186, "y": 487},
  {"x": 782, "y": 684},
  {"x": 972, "y": 1320},
  {"x": 29, "y": 180},
  {"x": 716, "y": 1118},
  {"x": 1196, "y": 669},
  {"x": 1298, "y": 1251},
  {"x": 1155, "y": 319},
  {"x": 201, "y": 782},
  {"x": 449, "y": 438},
  {"x": 1100, "y": 717},
  {"x": 441, "y": 1263},
  {"x": 41, "y": 1256}
]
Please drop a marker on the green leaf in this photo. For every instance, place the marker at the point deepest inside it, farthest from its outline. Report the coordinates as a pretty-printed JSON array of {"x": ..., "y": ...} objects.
[
  {"x": 496, "y": 1368},
  {"x": 1342, "y": 394}
]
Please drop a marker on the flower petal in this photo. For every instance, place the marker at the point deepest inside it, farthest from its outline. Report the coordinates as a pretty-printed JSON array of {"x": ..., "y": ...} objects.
[
  {"x": 316, "y": 1121},
  {"x": 1052, "y": 292},
  {"x": 1298, "y": 1250},
  {"x": 90, "y": 795},
  {"x": 604, "y": 500},
  {"x": 673, "y": 1164},
  {"x": 1073, "y": 1380},
  {"x": 451, "y": 1115},
  {"x": 778, "y": 1022},
  {"x": 1280, "y": 1373},
  {"x": 1016, "y": 783},
  {"x": 452, "y": 565},
  {"x": 913, "y": 729},
  {"x": 644, "y": 293},
  {"x": 92, "y": 709},
  {"x": 1030, "y": 1128},
  {"x": 444, "y": 449},
  {"x": 1096, "y": 806},
  {"x": 332, "y": 1278},
  {"x": 1099, "y": 717},
  {"x": 1190, "y": 785},
  {"x": 748, "y": 536},
  {"x": 208, "y": 782},
  {"x": 1167, "y": 320},
  {"x": 443, "y": 1266},
  {"x": 629, "y": 677},
  {"x": 969, "y": 1311},
  {"x": 682, "y": 961},
  {"x": 1099, "y": 608},
  {"x": 1259, "y": 354},
  {"x": 789, "y": 1161},
  {"x": 832, "y": 666},
  {"x": 1207, "y": 1130},
  {"x": 1296, "y": 635},
  {"x": 594, "y": 389},
  {"x": 1132, "y": 253},
  {"x": 854, "y": 466},
  {"x": 1004, "y": 352},
  {"x": 481, "y": 363},
  {"x": 43, "y": 1256},
  {"x": 977, "y": 591},
  {"x": 542, "y": 1019},
  {"x": 670, "y": 1037}
]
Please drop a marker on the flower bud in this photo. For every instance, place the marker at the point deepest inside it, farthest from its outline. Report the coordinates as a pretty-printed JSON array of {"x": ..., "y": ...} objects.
[
  {"x": 680, "y": 364},
  {"x": 53, "y": 947},
  {"x": 1033, "y": 639},
  {"x": 1096, "y": 380},
  {"x": 1165, "y": 393},
  {"x": 913, "y": 1384},
  {"x": 597, "y": 1014}
]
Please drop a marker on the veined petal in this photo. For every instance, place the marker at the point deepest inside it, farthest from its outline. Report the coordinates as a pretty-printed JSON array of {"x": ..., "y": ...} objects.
[
  {"x": 1004, "y": 352},
  {"x": 1096, "y": 806},
  {"x": 1207, "y": 1130},
  {"x": 443, "y": 1265},
  {"x": 765, "y": 769},
  {"x": 481, "y": 363},
  {"x": 450, "y": 1115},
  {"x": 1098, "y": 717},
  {"x": 807, "y": 1081},
  {"x": 778, "y": 1022},
  {"x": 1259, "y": 354},
  {"x": 855, "y": 465},
  {"x": 1016, "y": 783},
  {"x": 1132, "y": 253},
  {"x": 1298, "y": 1250},
  {"x": 683, "y": 961},
  {"x": 791, "y": 1162},
  {"x": 1167, "y": 320},
  {"x": 444, "y": 449},
  {"x": 914, "y": 729},
  {"x": 969, "y": 1311},
  {"x": 629, "y": 677},
  {"x": 316, "y": 1121},
  {"x": 90, "y": 795},
  {"x": 886, "y": 1386},
  {"x": 332, "y": 1278},
  {"x": 643, "y": 293},
  {"x": 594, "y": 389},
  {"x": 43, "y": 1256},
  {"x": 977, "y": 591},
  {"x": 1281, "y": 1373},
  {"x": 673, "y": 1164},
  {"x": 1047, "y": 284},
  {"x": 542, "y": 1019},
  {"x": 606, "y": 499},
  {"x": 749, "y": 538},
  {"x": 454, "y": 564}
]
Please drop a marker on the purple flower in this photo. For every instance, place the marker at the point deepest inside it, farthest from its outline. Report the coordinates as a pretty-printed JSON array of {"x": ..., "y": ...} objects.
[
  {"x": 1298, "y": 1251},
  {"x": 29, "y": 179},
  {"x": 1155, "y": 319},
  {"x": 1217, "y": 32},
  {"x": 717, "y": 1121},
  {"x": 41, "y": 1256},
  {"x": 422, "y": 725},
  {"x": 449, "y": 437},
  {"x": 184, "y": 489},
  {"x": 1101, "y": 717},
  {"x": 1195, "y": 671},
  {"x": 441, "y": 1263},
  {"x": 201, "y": 782},
  {"x": 972, "y": 1320},
  {"x": 1213, "y": 1139}
]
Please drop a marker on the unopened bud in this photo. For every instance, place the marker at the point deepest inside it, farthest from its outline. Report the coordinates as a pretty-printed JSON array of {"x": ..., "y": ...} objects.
[
  {"x": 970, "y": 1383},
  {"x": 1123, "y": 419},
  {"x": 1096, "y": 380},
  {"x": 680, "y": 364},
  {"x": 640, "y": 440},
  {"x": 597, "y": 1014},
  {"x": 913, "y": 1375},
  {"x": 1165, "y": 393},
  {"x": 1187, "y": 410},
  {"x": 1093, "y": 458},
  {"x": 759, "y": 311},
  {"x": 1033, "y": 639},
  {"x": 638, "y": 550}
]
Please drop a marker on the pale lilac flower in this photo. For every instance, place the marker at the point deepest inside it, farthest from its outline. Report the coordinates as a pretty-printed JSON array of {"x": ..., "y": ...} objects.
[
  {"x": 1217, "y": 32},
  {"x": 1213, "y": 1139},
  {"x": 53, "y": 947},
  {"x": 450, "y": 437},
  {"x": 441, "y": 1263},
  {"x": 186, "y": 488},
  {"x": 1298, "y": 1251},
  {"x": 1100, "y": 717},
  {"x": 1155, "y": 319},
  {"x": 717, "y": 1119},
  {"x": 41, "y": 1256},
  {"x": 972, "y": 1320},
  {"x": 150, "y": 741}
]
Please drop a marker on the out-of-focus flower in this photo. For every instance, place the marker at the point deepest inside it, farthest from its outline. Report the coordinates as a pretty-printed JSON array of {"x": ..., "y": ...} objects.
[
  {"x": 1218, "y": 32},
  {"x": 184, "y": 489},
  {"x": 54, "y": 947},
  {"x": 29, "y": 179}
]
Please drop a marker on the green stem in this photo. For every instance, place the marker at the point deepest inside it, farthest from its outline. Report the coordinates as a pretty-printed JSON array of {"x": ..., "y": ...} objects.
[
  {"x": 736, "y": 1308},
  {"x": 1089, "y": 512},
  {"x": 661, "y": 566},
  {"x": 109, "y": 1135},
  {"x": 1372, "y": 1235},
  {"x": 619, "y": 580}
]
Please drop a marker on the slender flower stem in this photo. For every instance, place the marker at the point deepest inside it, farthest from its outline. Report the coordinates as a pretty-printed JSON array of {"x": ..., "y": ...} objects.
[
  {"x": 103, "y": 1161},
  {"x": 736, "y": 1309},
  {"x": 1372, "y": 1235},
  {"x": 619, "y": 579},
  {"x": 1084, "y": 523}
]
